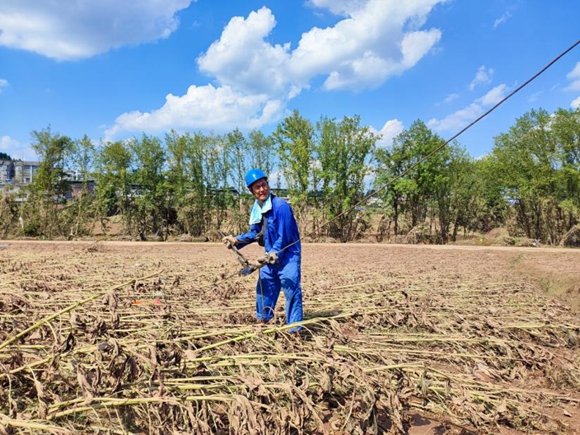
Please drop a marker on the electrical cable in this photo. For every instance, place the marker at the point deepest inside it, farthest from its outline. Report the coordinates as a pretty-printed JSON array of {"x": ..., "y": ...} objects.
[
  {"x": 439, "y": 148},
  {"x": 432, "y": 153}
]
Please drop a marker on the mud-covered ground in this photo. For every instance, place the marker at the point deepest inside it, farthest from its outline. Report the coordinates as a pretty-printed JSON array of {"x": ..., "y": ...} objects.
[{"x": 129, "y": 337}]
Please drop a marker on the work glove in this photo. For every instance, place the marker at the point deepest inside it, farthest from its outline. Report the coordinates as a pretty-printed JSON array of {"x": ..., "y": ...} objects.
[
  {"x": 229, "y": 241},
  {"x": 270, "y": 258},
  {"x": 256, "y": 264}
]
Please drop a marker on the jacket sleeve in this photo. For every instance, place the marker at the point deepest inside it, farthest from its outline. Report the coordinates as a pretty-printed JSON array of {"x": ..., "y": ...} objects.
[{"x": 249, "y": 237}]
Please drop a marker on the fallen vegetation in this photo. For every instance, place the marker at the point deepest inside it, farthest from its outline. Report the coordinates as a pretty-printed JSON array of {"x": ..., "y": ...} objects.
[{"x": 161, "y": 339}]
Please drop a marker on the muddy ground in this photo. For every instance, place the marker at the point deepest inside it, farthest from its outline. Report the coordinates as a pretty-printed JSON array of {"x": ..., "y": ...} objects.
[{"x": 398, "y": 339}]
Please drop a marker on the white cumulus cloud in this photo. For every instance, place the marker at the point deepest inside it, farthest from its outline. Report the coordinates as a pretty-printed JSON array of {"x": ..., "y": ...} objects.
[
  {"x": 379, "y": 38},
  {"x": 243, "y": 59},
  {"x": 389, "y": 131},
  {"x": 203, "y": 107},
  {"x": 16, "y": 150},
  {"x": 506, "y": 16},
  {"x": 494, "y": 96},
  {"x": 76, "y": 29},
  {"x": 3, "y": 84},
  {"x": 574, "y": 76},
  {"x": 8, "y": 144},
  {"x": 376, "y": 40},
  {"x": 574, "y": 86},
  {"x": 340, "y": 7},
  {"x": 451, "y": 97},
  {"x": 482, "y": 77},
  {"x": 463, "y": 117}
]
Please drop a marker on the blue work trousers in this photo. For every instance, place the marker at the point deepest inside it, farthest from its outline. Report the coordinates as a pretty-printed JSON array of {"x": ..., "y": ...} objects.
[{"x": 274, "y": 277}]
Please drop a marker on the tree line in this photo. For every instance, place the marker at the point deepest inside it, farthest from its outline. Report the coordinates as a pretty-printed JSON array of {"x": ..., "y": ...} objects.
[{"x": 340, "y": 183}]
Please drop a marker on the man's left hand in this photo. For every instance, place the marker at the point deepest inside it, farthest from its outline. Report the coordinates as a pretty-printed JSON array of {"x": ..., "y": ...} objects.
[{"x": 270, "y": 258}]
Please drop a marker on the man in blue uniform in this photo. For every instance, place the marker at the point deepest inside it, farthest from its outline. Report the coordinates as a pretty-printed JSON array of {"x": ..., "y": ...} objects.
[{"x": 272, "y": 224}]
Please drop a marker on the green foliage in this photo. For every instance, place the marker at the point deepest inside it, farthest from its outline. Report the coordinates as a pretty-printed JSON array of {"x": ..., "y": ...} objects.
[
  {"x": 453, "y": 193},
  {"x": 32, "y": 229},
  {"x": 194, "y": 183},
  {"x": 537, "y": 165},
  {"x": 295, "y": 139},
  {"x": 491, "y": 208},
  {"x": 82, "y": 209},
  {"x": 149, "y": 190},
  {"x": 187, "y": 181},
  {"x": 448, "y": 189},
  {"x": 4, "y": 156},
  {"x": 411, "y": 181},
  {"x": 114, "y": 179},
  {"x": 260, "y": 149},
  {"x": 200, "y": 171},
  {"x": 238, "y": 150},
  {"x": 344, "y": 154},
  {"x": 49, "y": 184},
  {"x": 8, "y": 213}
]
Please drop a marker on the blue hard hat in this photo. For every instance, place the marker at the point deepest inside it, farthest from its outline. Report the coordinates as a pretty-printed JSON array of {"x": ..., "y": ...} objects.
[{"x": 254, "y": 175}]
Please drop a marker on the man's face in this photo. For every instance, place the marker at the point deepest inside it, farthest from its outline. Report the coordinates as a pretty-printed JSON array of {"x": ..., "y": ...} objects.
[{"x": 260, "y": 189}]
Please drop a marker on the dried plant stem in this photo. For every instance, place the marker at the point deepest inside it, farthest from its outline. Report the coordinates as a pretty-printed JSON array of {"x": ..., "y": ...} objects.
[
  {"x": 31, "y": 425},
  {"x": 66, "y": 310},
  {"x": 107, "y": 403}
]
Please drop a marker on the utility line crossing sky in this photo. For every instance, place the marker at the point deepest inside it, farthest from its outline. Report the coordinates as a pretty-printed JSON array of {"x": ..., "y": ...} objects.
[{"x": 113, "y": 69}]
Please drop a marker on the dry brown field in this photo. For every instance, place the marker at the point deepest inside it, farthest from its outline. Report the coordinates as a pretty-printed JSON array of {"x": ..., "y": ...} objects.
[{"x": 160, "y": 338}]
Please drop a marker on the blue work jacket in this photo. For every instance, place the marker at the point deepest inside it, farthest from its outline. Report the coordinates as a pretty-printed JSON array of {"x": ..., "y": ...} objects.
[{"x": 281, "y": 232}]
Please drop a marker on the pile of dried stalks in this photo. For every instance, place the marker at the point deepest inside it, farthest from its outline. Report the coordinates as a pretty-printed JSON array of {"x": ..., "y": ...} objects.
[{"x": 98, "y": 343}]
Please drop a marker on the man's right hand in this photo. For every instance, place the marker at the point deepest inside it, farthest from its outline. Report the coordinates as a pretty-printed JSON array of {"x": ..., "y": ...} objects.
[{"x": 229, "y": 241}]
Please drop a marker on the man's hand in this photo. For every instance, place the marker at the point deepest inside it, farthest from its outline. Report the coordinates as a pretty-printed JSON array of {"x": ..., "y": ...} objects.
[
  {"x": 257, "y": 263},
  {"x": 270, "y": 258},
  {"x": 229, "y": 241}
]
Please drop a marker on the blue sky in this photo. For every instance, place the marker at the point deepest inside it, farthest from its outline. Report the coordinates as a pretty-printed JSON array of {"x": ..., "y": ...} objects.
[{"x": 113, "y": 69}]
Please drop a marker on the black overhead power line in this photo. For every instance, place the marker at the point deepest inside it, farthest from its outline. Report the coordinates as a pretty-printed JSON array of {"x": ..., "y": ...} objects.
[
  {"x": 440, "y": 147},
  {"x": 436, "y": 150}
]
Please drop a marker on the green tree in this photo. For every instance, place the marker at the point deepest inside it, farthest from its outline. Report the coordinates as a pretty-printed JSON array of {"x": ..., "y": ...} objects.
[
  {"x": 452, "y": 189},
  {"x": 537, "y": 165},
  {"x": 114, "y": 183},
  {"x": 260, "y": 149},
  {"x": 566, "y": 131},
  {"x": 489, "y": 208},
  {"x": 344, "y": 154},
  {"x": 83, "y": 156},
  {"x": 150, "y": 194},
  {"x": 526, "y": 163},
  {"x": 48, "y": 189},
  {"x": 187, "y": 179},
  {"x": 408, "y": 182},
  {"x": 295, "y": 139},
  {"x": 218, "y": 167},
  {"x": 238, "y": 150}
]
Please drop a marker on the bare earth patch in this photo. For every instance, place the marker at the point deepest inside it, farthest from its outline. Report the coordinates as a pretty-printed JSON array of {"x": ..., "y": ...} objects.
[{"x": 129, "y": 337}]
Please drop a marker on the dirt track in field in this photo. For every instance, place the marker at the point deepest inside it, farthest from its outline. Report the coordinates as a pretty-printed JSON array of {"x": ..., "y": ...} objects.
[{"x": 495, "y": 326}]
